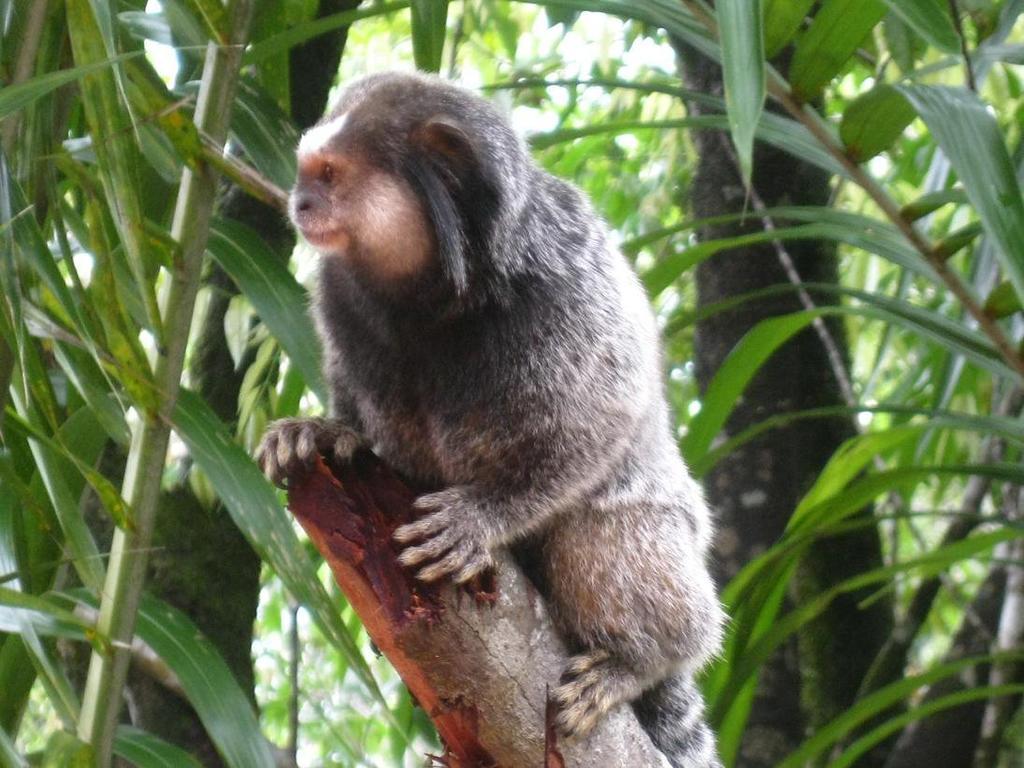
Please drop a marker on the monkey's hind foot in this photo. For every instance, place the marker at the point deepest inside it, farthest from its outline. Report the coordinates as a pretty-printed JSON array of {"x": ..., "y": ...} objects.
[
  {"x": 592, "y": 684},
  {"x": 289, "y": 446}
]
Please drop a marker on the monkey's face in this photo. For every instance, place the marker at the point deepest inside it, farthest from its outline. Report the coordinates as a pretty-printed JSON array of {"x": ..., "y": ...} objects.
[
  {"x": 402, "y": 185},
  {"x": 350, "y": 209}
]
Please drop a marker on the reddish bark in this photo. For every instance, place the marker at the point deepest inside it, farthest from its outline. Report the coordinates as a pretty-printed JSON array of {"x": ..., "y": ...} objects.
[{"x": 479, "y": 666}]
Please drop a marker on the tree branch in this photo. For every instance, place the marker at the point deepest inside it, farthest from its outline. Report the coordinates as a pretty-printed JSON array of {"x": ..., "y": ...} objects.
[{"x": 479, "y": 660}]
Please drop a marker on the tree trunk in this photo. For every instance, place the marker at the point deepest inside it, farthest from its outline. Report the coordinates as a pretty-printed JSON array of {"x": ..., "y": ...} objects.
[{"x": 756, "y": 487}]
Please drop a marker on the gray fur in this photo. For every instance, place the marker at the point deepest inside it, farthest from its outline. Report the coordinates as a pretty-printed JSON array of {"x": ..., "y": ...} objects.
[{"x": 524, "y": 386}]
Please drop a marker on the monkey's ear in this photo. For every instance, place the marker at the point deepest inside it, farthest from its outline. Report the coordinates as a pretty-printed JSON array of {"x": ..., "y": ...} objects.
[{"x": 442, "y": 137}]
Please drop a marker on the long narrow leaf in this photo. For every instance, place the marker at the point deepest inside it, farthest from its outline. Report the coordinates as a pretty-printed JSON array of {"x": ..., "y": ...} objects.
[
  {"x": 8, "y": 753},
  {"x": 300, "y": 33},
  {"x": 212, "y": 690},
  {"x": 838, "y": 28},
  {"x": 275, "y": 293},
  {"x": 15, "y": 97},
  {"x": 145, "y": 750},
  {"x": 42, "y": 614},
  {"x": 782, "y": 18},
  {"x": 742, "y": 40},
  {"x": 930, "y": 19},
  {"x": 886, "y": 697},
  {"x": 761, "y": 342},
  {"x": 429, "y": 18},
  {"x": 921, "y": 711},
  {"x": 255, "y": 509},
  {"x": 758, "y": 652},
  {"x": 970, "y": 138}
]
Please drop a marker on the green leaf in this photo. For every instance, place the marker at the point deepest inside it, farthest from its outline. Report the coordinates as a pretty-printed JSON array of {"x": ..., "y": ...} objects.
[
  {"x": 263, "y": 130},
  {"x": 764, "y": 644},
  {"x": 429, "y": 21},
  {"x": 969, "y": 136},
  {"x": 873, "y": 121},
  {"x": 1003, "y": 301},
  {"x": 112, "y": 131},
  {"x": 838, "y": 29},
  {"x": 931, "y": 202},
  {"x": 81, "y": 436},
  {"x": 930, "y": 19},
  {"x": 920, "y": 711},
  {"x": 214, "y": 15},
  {"x": 848, "y": 461},
  {"x": 42, "y": 614},
  {"x": 97, "y": 391},
  {"x": 211, "y": 689},
  {"x": 856, "y": 495},
  {"x": 174, "y": 26},
  {"x": 54, "y": 681},
  {"x": 742, "y": 40},
  {"x": 254, "y": 507},
  {"x": 15, "y": 97},
  {"x": 9, "y": 756},
  {"x": 105, "y": 490},
  {"x": 782, "y": 19},
  {"x": 877, "y": 239},
  {"x": 749, "y": 354},
  {"x": 958, "y": 240},
  {"x": 145, "y": 750},
  {"x": 937, "y": 419},
  {"x": 869, "y": 707},
  {"x": 300, "y": 33},
  {"x": 788, "y": 135},
  {"x": 281, "y": 302},
  {"x": 761, "y": 341},
  {"x": 903, "y": 45},
  {"x": 66, "y": 750},
  {"x": 150, "y": 26}
]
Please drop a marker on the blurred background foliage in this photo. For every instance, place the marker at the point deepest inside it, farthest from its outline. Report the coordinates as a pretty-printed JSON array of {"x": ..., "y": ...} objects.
[{"x": 831, "y": 230}]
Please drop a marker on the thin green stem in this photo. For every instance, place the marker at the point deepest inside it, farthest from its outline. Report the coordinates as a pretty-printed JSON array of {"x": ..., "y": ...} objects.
[{"x": 120, "y": 599}]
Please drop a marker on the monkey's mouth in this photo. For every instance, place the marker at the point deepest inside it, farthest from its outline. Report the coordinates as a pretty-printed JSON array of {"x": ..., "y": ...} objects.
[{"x": 326, "y": 238}]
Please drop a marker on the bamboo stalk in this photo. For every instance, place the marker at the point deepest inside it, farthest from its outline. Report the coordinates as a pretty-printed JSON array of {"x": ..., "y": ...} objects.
[{"x": 119, "y": 601}]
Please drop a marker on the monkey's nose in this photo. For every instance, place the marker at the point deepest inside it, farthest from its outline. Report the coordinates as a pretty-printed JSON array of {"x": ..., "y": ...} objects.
[{"x": 303, "y": 204}]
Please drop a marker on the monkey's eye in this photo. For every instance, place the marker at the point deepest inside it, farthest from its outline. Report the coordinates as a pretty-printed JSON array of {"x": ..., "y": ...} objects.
[{"x": 328, "y": 173}]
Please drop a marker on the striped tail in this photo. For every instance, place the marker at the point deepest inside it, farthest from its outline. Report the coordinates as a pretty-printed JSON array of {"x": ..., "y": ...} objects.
[{"x": 672, "y": 713}]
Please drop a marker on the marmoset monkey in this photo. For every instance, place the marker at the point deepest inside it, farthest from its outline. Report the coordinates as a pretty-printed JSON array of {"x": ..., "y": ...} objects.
[{"x": 486, "y": 339}]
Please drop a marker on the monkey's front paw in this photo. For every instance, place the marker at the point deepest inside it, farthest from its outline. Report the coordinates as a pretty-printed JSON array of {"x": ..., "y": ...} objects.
[
  {"x": 591, "y": 685},
  {"x": 451, "y": 535},
  {"x": 289, "y": 446}
]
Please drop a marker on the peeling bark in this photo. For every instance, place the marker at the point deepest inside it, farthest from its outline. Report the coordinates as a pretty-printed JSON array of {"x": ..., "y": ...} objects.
[{"x": 478, "y": 660}]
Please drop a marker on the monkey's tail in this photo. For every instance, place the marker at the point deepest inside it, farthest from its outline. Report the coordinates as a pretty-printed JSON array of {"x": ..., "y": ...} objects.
[{"x": 672, "y": 713}]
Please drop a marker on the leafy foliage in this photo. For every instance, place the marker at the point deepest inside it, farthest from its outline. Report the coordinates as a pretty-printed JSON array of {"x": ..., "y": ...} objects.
[{"x": 925, "y": 143}]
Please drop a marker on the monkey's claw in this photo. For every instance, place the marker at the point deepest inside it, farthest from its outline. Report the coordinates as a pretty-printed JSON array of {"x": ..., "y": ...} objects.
[
  {"x": 591, "y": 686},
  {"x": 289, "y": 446},
  {"x": 449, "y": 538}
]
